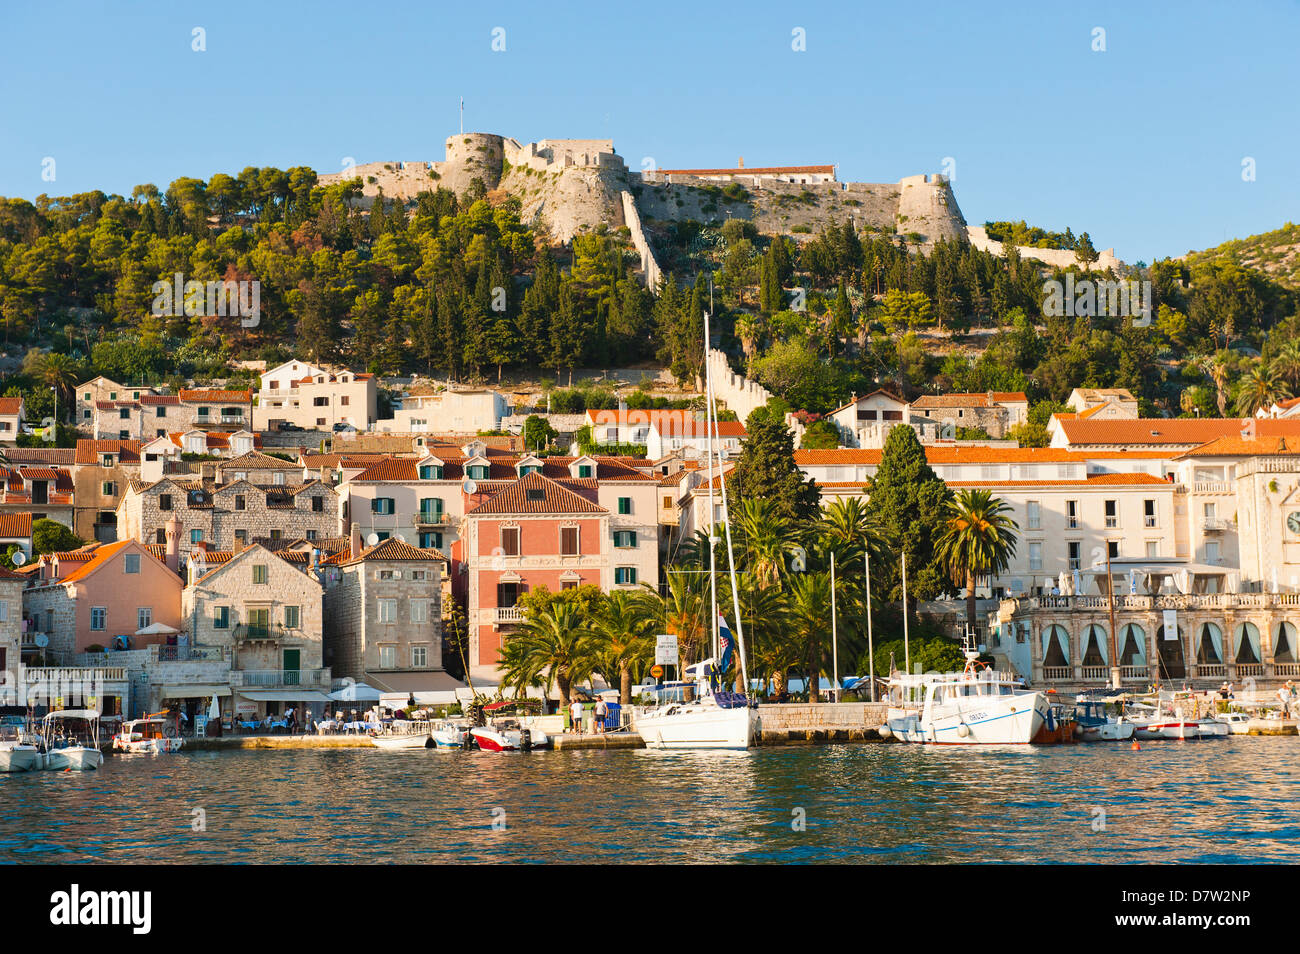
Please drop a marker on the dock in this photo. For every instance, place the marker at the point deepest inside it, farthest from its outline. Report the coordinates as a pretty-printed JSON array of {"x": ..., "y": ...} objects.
[{"x": 597, "y": 740}]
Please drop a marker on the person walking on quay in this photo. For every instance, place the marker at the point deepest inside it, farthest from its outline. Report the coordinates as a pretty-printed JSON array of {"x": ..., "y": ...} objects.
[
  {"x": 601, "y": 712},
  {"x": 575, "y": 715}
]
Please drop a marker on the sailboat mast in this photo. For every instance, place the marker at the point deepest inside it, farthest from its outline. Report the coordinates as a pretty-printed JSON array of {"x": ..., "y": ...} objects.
[
  {"x": 712, "y": 522},
  {"x": 907, "y": 651},
  {"x": 726, "y": 522},
  {"x": 871, "y": 642},
  {"x": 835, "y": 635}
]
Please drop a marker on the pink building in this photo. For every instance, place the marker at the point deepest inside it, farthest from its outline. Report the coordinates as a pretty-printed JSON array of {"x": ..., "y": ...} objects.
[
  {"x": 531, "y": 532},
  {"x": 120, "y": 590}
]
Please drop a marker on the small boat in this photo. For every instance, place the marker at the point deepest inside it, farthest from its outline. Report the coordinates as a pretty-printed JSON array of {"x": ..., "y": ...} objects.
[
  {"x": 1212, "y": 728},
  {"x": 151, "y": 735},
  {"x": 451, "y": 735},
  {"x": 1094, "y": 725},
  {"x": 971, "y": 707},
  {"x": 17, "y": 753},
  {"x": 714, "y": 719},
  {"x": 71, "y": 739},
  {"x": 1058, "y": 728},
  {"x": 1237, "y": 723},
  {"x": 492, "y": 738},
  {"x": 403, "y": 734}
]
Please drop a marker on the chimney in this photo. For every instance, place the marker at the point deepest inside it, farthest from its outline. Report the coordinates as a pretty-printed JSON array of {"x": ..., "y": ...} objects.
[
  {"x": 173, "y": 537},
  {"x": 356, "y": 541},
  {"x": 740, "y": 163}
]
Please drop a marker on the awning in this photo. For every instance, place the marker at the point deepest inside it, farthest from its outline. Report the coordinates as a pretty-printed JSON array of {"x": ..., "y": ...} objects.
[
  {"x": 194, "y": 692},
  {"x": 284, "y": 695},
  {"x": 408, "y": 682}
]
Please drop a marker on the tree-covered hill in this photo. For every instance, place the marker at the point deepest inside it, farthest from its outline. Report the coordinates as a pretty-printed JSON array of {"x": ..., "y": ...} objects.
[{"x": 1275, "y": 253}]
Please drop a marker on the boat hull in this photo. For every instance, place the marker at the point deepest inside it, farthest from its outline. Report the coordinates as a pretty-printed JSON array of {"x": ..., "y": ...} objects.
[
  {"x": 25, "y": 758},
  {"x": 147, "y": 746},
  {"x": 394, "y": 742},
  {"x": 1011, "y": 720},
  {"x": 75, "y": 759},
  {"x": 1108, "y": 732},
  {"x": 489, "y": 740},
  {"x": 697, "y": 727}
]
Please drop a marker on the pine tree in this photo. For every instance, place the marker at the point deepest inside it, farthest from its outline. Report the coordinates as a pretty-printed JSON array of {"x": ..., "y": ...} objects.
[{"x": 766, "y": 470}]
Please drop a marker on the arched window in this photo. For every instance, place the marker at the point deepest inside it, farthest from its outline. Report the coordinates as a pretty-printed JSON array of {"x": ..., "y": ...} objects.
[
  {"x": 1284, "y": 643},
  {"x": 1133, "y": 645},
  {"x": 1094, "y": 646},
  {"x": 1209, "y": 645},
  {"x": 1056, "y": 646},
  {"x": 1247, "y": 639}
]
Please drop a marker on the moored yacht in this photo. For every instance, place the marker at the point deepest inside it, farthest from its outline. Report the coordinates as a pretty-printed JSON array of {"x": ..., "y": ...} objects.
[
  {"x": 71, "y": 738},
  {"x": 712, "y": 720},
  {"x": 977, "y": 706},
  {"x": 17, "y": 754}
]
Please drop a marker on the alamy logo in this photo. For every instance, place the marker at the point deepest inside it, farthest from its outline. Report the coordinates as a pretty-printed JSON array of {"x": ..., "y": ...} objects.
[
  {"x": 208, "y": 299},
  {"x": 75, "y": 907},
  {"x": 1087, "y": 298}
]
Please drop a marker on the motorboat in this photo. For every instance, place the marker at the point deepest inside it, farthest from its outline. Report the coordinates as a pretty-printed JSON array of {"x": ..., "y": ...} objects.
[
  {"x": 1093, "y": 724},
  {"x": 713, "y": 719},
  {"x": 977, "y": 706},
  {"x": 1150, "y": 724},
  {"x": 451, "y": 735},
  {"x": 151, "y": 735},
  {"x": 404, "y": 734},
  {"x": 1212, "y": 728},
  {"x": 17, "y": 752},
  {"x": 508, "y": 738},
  {"x": 71, "y": 739},
  {"x": 1237, "y": 723}
]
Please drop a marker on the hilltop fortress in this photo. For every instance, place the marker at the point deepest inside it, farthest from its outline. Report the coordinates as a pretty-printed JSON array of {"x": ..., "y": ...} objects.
[{"x": 567, "y": 186}]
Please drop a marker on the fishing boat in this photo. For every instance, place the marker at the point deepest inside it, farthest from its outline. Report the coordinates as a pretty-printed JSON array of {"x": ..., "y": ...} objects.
[
  {"x": 1095, "y": 725},
  {"x": 1237, "y": 723},
  {"x": 17, "y": 753},
  {"x": 714, "y": 718},
  {"x": 71, "y": 740},
  {"x": 507, "y": 738},
  {"x": 977, "y": 706},
  {"x": 151, "y": 735}
]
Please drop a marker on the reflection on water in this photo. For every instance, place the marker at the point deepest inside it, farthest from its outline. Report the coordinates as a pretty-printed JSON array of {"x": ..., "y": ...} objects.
[{"x": 1229, "y": 800}]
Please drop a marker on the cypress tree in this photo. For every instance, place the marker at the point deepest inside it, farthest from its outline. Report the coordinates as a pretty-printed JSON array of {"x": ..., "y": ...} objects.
[{"x": 766, "y": 469}]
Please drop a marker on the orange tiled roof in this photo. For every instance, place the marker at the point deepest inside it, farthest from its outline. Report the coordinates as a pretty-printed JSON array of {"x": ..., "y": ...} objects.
[
  {"x": 216, "y": 395},
  {"x": 102, "y": 556},
  {"x": 395, "y": 550},
  {"x": 521, "y": 497},
  {"x": 981, "y": 399},
  {"x": 88, "y": 451},
  {"x": 1170, "y": 430},
  {"x": 15, "y": 524},
  {"x": 10, "y": 405},
  {"x": 1245, "y": 447},
  {"x": 755, "y": 171}
]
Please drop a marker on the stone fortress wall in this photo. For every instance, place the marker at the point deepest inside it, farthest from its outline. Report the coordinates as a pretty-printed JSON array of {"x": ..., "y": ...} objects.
[
  {"x": 1059, "y": 257},
  {"x": 568, "y": 186}
]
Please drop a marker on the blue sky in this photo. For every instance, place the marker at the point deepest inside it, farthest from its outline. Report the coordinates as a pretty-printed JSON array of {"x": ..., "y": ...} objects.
[{"x": 1141, "y": 145}]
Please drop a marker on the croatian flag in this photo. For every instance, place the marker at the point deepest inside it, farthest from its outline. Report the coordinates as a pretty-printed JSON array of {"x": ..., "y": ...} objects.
[{"x": 725, "y": 643}]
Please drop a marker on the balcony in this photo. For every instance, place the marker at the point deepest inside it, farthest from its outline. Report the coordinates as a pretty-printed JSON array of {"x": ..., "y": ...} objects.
[
  {"x": 508, "y": 614},
  {"x": 274, "y": 678},
  {"x": 1214, "y": 525},
  {"x": 1212, "y": 487},
  {"x": 431, "y": 518},
  {"x": 246, "y": 633}
]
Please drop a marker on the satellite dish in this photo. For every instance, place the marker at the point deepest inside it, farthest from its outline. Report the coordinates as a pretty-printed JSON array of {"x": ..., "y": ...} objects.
[
  {"x": 372, "y": 539},
  {"x": 18, "y": 558},
  {"x": 41, "y": 640},
  {"x": 400, "y": 538},
  {"x": 469, "y": 487}
]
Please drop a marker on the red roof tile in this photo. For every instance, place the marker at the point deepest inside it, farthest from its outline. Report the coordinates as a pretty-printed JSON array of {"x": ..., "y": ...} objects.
[{"x": 536, "y": 494}]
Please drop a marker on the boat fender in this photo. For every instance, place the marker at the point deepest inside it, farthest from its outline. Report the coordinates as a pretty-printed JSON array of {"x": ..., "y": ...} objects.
[
  {"x": 884, "y": 732},
  {"x": 963, "y": 730}
]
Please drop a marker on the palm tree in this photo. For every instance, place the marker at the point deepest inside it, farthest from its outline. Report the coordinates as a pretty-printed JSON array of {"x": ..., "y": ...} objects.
[
  {"x": 623, "y": 626},
  {"x": 1287, "y": 364},
  {"x": 764, "y": 611},
  {"x": 682, "y": 611},
  {"x": 810, "y": 612},
  {"x": 979, "y": 539},
  {"x": 1216, "y": 368},
  {"x": 1262, "y": 387},
  {"x": 60, "y": 372},
  {"x": 555, "y": 646},
  {"x": 849, "y": 529},
  {"x": 766, "y": 539}
]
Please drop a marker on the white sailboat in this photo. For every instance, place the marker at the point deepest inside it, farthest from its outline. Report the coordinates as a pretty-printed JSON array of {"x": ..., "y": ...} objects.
[{"x": 714, "y": 719}]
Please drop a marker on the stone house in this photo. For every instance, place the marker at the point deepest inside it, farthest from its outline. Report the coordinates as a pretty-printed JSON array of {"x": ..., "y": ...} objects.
[
  {"x": 11, "y": 633},
  {"x": 383, "y": 615},
  {"x": 91, "y": 418},
  {"x": 267, "y": 613},
  {"x": 229, "y": 516},
  {"x": 258, "y": 468},
  {"x": 314, "y": 397},
  {"x": 102, "y": 472},
  {"x": 41, "y": 491},
  {"x": 994, "y": 412},
  {"x": 167, "y": 454}
]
